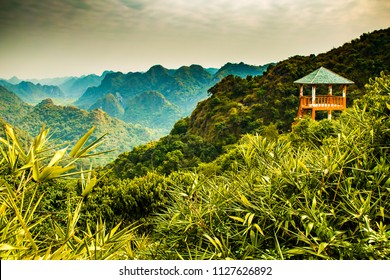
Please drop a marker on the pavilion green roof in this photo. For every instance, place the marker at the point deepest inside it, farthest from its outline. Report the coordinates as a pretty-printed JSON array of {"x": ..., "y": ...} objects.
[{"x": 323, "y": 76}]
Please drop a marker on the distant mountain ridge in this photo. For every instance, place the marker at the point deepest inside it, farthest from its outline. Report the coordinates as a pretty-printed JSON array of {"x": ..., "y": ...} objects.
[
  {"x": 74, "y": 87},
  {"x": 62, "y": 89},
  {"x": 45, "y": 81},
  {"x": 182, "y": 88},
  {"x": 33, "y": 93}
]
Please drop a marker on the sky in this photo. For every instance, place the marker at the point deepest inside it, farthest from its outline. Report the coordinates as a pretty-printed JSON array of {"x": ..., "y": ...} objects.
[{"x": 57, "y": 38}]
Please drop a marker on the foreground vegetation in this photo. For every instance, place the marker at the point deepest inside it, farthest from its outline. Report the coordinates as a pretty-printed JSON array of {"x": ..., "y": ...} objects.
[{"x": 319, "y": 192}]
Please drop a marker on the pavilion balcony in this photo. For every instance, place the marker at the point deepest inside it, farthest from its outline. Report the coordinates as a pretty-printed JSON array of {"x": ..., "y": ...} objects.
[{"x": 323, "y": 102}]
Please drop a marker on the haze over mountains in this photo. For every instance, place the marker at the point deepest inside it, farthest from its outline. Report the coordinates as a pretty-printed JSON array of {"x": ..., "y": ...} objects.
[
  {"x": 63, "y": 90},
  {"x": 34, "y": 93}
]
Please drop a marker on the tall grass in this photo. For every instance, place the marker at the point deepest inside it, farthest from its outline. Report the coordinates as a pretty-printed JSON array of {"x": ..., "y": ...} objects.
[{"x": 282, "y": 203}]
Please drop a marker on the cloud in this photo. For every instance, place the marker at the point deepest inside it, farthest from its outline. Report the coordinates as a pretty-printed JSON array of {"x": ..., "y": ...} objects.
[
  {"x": 160, "y": 31},
  {"x": 172, "y": 16},
  {"x": 133, "y": 4}
]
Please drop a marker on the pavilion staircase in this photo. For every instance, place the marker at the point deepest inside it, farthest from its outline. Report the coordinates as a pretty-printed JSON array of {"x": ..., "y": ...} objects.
[{"x": 301, "y": 111}]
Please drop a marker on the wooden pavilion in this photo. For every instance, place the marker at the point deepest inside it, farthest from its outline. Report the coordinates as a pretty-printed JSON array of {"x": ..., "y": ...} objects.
[{"x": 329, "y": 102}]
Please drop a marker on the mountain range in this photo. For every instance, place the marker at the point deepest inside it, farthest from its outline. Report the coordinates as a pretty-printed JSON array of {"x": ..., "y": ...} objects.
[
  {"x": 165, "y": 95},
  {"x": 176, "y": 91}
]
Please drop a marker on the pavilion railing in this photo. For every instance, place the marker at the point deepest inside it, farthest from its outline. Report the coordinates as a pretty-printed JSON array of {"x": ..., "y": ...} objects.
[{"x": 323, "y": 101}]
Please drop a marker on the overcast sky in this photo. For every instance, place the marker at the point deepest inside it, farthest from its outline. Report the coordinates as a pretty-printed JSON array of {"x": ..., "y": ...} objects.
[{"x": 51, "y": 38}]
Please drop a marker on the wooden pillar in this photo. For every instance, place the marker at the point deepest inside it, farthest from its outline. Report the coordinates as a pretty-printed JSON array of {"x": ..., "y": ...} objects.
[
  {"x": 313, "y": 101},
  {"x": 301, "y": 90},
  {"x": 330, "y": 102},
  {"x": 345, "y": 96},
  {"x": 313, "y": 94}
]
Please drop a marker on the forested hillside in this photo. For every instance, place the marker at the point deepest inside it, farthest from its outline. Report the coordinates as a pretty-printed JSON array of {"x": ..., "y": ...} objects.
[
  {"x": 109, "y": 104},
  {"x": 68, "y": 123},
  {"x": 153, "y": 110}
]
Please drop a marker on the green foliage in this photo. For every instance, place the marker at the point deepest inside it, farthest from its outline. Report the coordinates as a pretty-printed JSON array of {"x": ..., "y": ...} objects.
[
  {"x": 23, "y": 220},
  {"x": 323, "y": 196},
  {"x": 285, "y": 203},
  {"x": 180, "y": 127},
  {"x": 377, "y": 98},
  {"x": 170, "y": 153},
  {"x": 126, "y": 201},
  {"x": 308, "y": 132}
]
